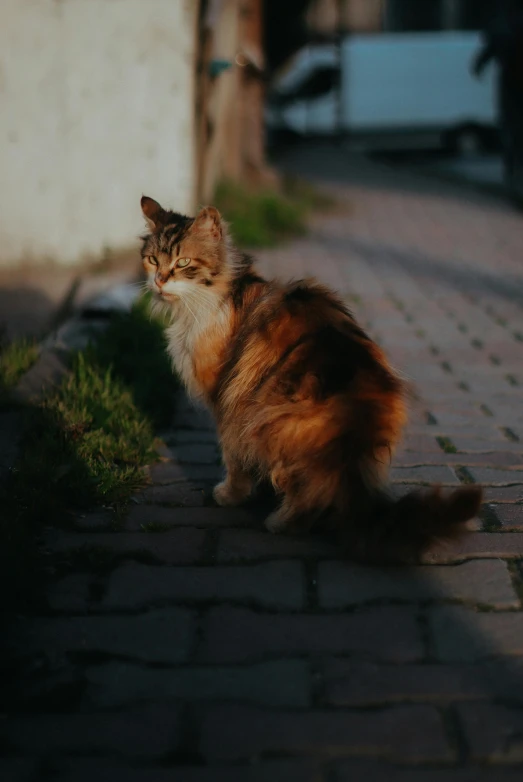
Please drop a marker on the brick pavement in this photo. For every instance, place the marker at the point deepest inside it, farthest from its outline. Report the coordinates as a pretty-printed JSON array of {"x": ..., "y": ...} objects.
[{"x": 192, "y": 646}]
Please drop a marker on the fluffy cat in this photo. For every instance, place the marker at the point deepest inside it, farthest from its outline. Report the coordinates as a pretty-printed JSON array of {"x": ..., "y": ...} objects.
[{"x": 300, "y": 394}]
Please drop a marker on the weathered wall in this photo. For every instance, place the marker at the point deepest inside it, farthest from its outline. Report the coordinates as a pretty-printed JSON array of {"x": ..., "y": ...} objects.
[{"x": 96, "y": 107}]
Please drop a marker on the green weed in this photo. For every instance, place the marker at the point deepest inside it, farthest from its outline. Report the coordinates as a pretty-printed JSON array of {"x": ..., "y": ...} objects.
[
  {"x": 16, "y": 358},
  {"x": 264, "y": 218},
  {"x": 87, "y": 443}
]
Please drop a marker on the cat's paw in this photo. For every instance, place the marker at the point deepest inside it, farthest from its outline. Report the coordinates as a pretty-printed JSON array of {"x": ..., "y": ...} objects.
[
  {"x": 275, "y": 523},
  {"x": 226, "y": 495}
]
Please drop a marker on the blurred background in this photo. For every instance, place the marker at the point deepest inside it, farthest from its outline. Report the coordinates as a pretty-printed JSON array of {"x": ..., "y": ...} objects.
[
  {"x": 103, "y": 101},
  {"x": 424, "y": 82},
  {"x": 385, "y": 139}
]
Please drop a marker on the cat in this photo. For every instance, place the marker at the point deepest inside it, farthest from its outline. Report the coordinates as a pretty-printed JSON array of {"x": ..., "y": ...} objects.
[{"x": 301, "y": 395}]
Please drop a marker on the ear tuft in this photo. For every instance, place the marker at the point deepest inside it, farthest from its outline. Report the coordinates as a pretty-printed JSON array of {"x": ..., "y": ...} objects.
[
  {"x": 153, "y": 212},
  {"x": 208, "y": 221}
]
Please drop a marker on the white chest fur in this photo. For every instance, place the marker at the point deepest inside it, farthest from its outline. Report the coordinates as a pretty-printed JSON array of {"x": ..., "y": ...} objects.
[{"x": 192, "y": 321}]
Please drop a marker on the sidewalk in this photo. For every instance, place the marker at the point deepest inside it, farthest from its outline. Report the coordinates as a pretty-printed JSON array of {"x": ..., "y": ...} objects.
[{"x": 210, "y": 651}]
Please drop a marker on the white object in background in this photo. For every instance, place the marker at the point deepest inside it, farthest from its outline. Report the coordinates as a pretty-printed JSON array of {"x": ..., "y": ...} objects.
[{"x": 391, "y": 81}]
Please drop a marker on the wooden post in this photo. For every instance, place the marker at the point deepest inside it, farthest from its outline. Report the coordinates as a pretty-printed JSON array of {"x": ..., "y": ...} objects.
[
  {"x": 231, "y": 138},
  {"x": 202, "y": 98},
  {"x": 252, "y": 95}
]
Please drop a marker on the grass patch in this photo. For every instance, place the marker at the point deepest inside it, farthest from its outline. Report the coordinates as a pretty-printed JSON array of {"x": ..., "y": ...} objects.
[
  {"x": 15, "y": 360},
  {"x": 264, "y": 218},
  {"x": 507, "y": 432},
  {"x": 86, "y": 444},
  {"x": 464, "y": 475},
  {"x": 305, "y": 193},
  {"x": 134, "y": 346},
  {"x": 446, "y": 444}
]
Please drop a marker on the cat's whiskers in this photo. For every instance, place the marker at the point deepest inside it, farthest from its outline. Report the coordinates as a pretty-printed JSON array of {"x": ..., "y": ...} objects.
[
  {"x": 208, "y": 307},
  {"x": 186, "y": 304}
]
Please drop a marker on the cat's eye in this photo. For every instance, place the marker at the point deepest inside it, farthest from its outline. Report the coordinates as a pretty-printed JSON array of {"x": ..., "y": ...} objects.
[
  {"x": 152, "y": 260},
  {"x": 183, "y": 262}
]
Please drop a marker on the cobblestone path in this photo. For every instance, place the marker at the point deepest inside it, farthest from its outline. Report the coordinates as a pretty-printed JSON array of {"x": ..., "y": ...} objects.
[{"x": 192, "y": 646}]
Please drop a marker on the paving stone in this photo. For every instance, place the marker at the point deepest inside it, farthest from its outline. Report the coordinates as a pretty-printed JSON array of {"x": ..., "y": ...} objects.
[
  {"x": 420, "y": 459},
  {"x": 420, "y": 443},
  {"x": 413, "y": 733},
  {"x": 478, "y": 545},
  {"x": 180, "y": 494},
  {"x": 271, "y": 584},
  {"x": 175, "y": 546},
  {"x": 236, "y": 635},
  {"x": 249, "y": 544},
  {"x": 492, "y": 459},
  {"x": 349, "y": 683},
  {"x": 485, "y": 475},
  {"x": 204, "y": 473},
  {"x": 143, "y": 515},
  {"x": 459, "y": 634},
  {"x": 401, "y": 489},
  {"x": 428, "y": 474},
  {"x": 451, "y": 418},
  {"x": 196, "y": 453},
  {"x": 174, "y": 472},
  {"x": 509, "y": 516},
  {"x": 489, "y": 583},
  {"x": 72, "y": 593},
  {"x": 160, "y": 636},
  {"x": 184, "y": 436},
  {"x": 167, "y": 472},
  {"x": 188, "y": 417},
  {"x": 149, "y": 731},
  {"x": 17, "y": 769},
  {"x": 93, "y": 522},
  {"x": 87, "y": 769},
  {"x": 494, "y": 733},
  {"x": 280, "y": 683},
  {"x": 356, "y": 770},
  {"x": 10, "y": 432},
  {"x": 503, "y": 494},
  {"x": 42, "y": 682},
  {"x": 466, "y": 444},
  {"x": 470, "y": 431}
]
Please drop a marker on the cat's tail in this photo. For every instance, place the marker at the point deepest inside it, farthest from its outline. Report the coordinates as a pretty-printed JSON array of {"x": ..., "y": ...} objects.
[{"x": 385, "y": 529}]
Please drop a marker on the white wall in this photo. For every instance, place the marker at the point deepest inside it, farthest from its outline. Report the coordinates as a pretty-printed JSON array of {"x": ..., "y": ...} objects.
[{"x": 96, "y": 108}]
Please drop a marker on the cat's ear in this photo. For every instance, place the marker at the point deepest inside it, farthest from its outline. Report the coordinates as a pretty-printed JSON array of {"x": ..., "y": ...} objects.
[
  {"x": 208, "y": 222},
  {"x": 153, "y": 212}
]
